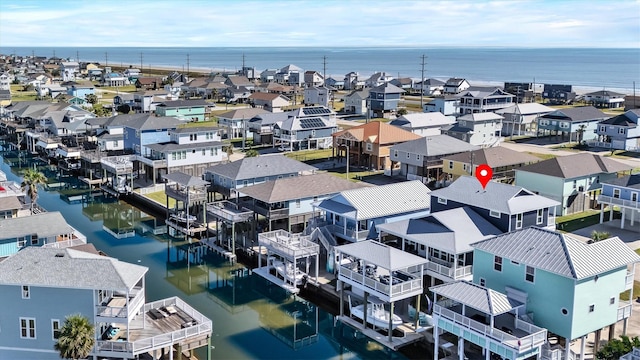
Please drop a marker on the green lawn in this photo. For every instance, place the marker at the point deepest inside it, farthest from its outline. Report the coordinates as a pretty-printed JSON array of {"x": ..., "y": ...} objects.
[
  {"x": 310, "y": 155},
  {"x": 161, "y": 198}
]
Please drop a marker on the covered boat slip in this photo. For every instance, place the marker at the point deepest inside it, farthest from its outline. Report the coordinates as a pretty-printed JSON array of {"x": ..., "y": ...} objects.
[
  {"x": 286, "y": 253},
  {"x": 384, "y": 276}
]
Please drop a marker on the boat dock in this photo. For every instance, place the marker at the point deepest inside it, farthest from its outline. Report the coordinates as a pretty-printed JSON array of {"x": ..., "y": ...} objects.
[
  {"x": 219, "y": 250},
  {"x": 410, "y": 334},
  {"x": 264, "y": 272}
]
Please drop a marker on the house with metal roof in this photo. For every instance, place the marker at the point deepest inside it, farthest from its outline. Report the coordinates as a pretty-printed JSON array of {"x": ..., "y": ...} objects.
[
  {"x": 506, "y": 206},
  {"x": 305, "y": 129},
  {"x": 384, "y": 99},
  {"x": 486, "y": 318},
  {"x": 40, "y": 287},
  {"x": 501, "y": 160},
  {"x": 236, "y": 120},
  {"x": 189, "y": 194},
  {"x": 352, "y": 215},
  {"x": 455, "y": 85},
  {"x": 424, "y": 124},
  {"x": 579, "y": 123},
  {"x": 574, "y": 181},
  {"x": 190, "y": 110},
  {"x": 605, "y": 99},
  {"x": 261, "y": 126},
  {"x": 619, "y": 132},
  {"x": 623, "y": 193},
  {"x": 421, "y": 158},
  {"x": 431, "y": 87},
  {"x": 269, "y": 101},
  {"x": 356, "y": 102},
  {"x": 481, "y": 129},
  {"x": 369, "y": 144},
  {"x": 522, "y": 118},
  {"x": 47, "y": 228},
  {"x": 479, "y": 99},
  {"x": 443, "y": 238},
  {"x": 566, "y": 285},
  {"x": 227, "y": 179},
  {"x": 287, "y": 203}
]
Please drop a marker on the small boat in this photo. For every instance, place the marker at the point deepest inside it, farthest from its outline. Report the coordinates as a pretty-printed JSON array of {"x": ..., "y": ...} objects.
[
  {"x": 182, "y": 217},
  {"x": 376, "y": 314},
  {"x": 289, "y": 272},
  {"x": 424, "y": 319}
]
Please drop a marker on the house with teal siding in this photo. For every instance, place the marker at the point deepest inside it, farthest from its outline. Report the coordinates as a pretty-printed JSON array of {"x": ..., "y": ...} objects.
[
  {"x": 40, "y": 287},
  {"x": 566, "y": 285},
  {"x": 191, "y": 110},
  {"x": 44, "y": 229}
]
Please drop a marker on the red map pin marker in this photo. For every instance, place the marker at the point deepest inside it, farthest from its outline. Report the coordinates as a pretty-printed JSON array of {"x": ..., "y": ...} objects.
[{"x": 484, "y": 174}]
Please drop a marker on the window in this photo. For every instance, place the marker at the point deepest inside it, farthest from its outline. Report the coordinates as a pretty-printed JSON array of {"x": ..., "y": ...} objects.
[
  {"x": 612, "y": 301},
  {"x": 408, "y": 156},
  {"x": 418, "y": 157},
  {"x": 621, "y": 131},
  {"x": 464, "y": 167},
  {"x": 204, "y": 152},
  {"x": 515, "y": 263},
  {"x": 497, "y": 263},
  {"x": 442, "y": 201},
  {"x": 495, "y": 214},
  {"x": 245, "y": 183},
  {"x": 369, "y": 147},
  {"x": 519, "y": 221},
  {"x": 482, "y": 282},
  {"x": 450, "y": 165},
  {"x": 115, "y": 143},
  {"x": 603, "y": 128},
  {"x": 27, "y": 328},
  {"x": 26, "y": 292},
  {"x": 592, "y": 308},
  {"x": 539, "y": 215},
  {"x": 564, "y": 311},
  {"x": 395, "y": 153},
  {"x": 55, "y": 328},
  {"x": 34, "y": 239},
  {"x": 616, "y": 193},
  {"x": 173, "y": 156},
  {"x": 21, "y": 242},
  {"x": 297, "y": 203},
  {"x": 530, "y": 274},
  {"x": 634, "y": 196},
  {"x": 575, "y": 182}
]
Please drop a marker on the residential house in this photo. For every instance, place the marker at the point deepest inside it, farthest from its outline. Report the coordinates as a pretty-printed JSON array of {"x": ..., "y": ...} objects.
[
  {"x": 485, "y": 318},
  {"x": 313, "y": 78},
  {"x": 568, "y": 286},
  {"x": 455, "y": 86},
  {"x": 269, "y": 101},
  {"x": 290, "y": 75},
  {"x": 5, "y": 99},
  {"x": 5, "y": 81},
  {"x": 481, "y": 129},
  {"x": 124, "y": 99},
  {"x": 287, "y": 203},
  {"x": 317, "y": 95},
  {"x": 558, "y": 94},
  {"x": 604, "y": 99},
  {"x": 335, "y": 83},
  {"x": 148, "y": 83},
  {"x": 446, "y": 104},
  {"x": 50, "y": 90},
  {"x": 239, "y": 81},
  {"x": 356, "y": 102},
  {"x": 235, "y": 121},
  {"x": 377, "y": 79},
  {"x": 631, "y": 102},
  {"x": 384, "y": 99},
  {"x": 236, "y": 94},
  {"x": 421, "y": 158},
  {"x": 523, "y": 91},
  {"x": 501, "y": 160},
  {"x": 189, "y": 110},
  {"x": 619, "y": 132},
  {"x": 146, "y": 101},
  {"x": 40, "y": 287},
  {"x": 431, "y": 87},
  {"x": 522, "y": 119},
  {"x": 573, "y": 180},
  {"x": 406, "y": 83},
  {"x": 249, "y": 72},
  {"x": 506, "y": 206},
  {"x": 424, "y": 124},
  {"x": 69, "y": 69},
  {"x": 623, "y": 193},
  {"x": 132, "y": 73},
  {"x": 113, "y": 79},
  {"x": 352, "y": 215},
  {"x": 268, "y": 75},
  {"x": 351, "y": 81},
  {"x": 110, "y": 132},
  {"x": 227, "y": 179},
  {"x": 444, "y": 238},
  {"x": 46, "y": 228},
  {"x": 261, "y": 126},
  {"x": 80, "y": 90},
  {"x": 370, "y": 143},
  {"x": 477, "y": 99},
  {"x": 190, "y": 150},
  {"x": 306, "y": 128},
  {"x": 580, "y": 123}
]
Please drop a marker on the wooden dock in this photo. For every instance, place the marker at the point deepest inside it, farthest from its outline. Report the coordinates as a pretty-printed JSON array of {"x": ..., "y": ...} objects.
[
  {"x": 410, "y": 335},
  {"x": 224, "y": 252}
]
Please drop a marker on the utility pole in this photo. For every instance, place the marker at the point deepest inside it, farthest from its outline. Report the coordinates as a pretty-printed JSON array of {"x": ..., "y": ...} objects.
[
  {"x": 141, "y": 67},
  {"x": 187, "y": 66},
  {"x": 243, "y": 69},
  {"x": 77, "y": 56},
  {"x": 324, "y": 69},
  {"x": 422, "y": 84},
  {"x": 106, "y": 59}
]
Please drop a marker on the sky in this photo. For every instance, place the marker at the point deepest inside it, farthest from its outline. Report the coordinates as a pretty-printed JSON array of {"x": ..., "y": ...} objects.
[{"x": 368, "y": 23}]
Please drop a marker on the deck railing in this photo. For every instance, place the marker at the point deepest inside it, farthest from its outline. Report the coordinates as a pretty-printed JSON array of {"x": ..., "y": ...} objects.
[
  {"x": 288, "y": 245},
  {"x": 401, "y": 288},
  {"x": 619, "y": 202}
]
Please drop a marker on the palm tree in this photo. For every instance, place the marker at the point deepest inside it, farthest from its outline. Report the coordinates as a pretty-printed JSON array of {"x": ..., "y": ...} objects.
[
  {"x": 77, "y": 338},
  {"x": 30, "y": 181}
]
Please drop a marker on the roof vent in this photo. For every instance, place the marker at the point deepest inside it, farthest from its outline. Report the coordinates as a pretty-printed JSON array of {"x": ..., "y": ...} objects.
[{"x": 59, "y": 255}]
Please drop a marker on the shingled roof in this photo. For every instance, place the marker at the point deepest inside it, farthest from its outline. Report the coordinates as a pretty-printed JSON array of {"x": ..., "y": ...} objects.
[
  {"x": 578, "y": 165},
  {"x": 378, "y": 133},
  {"x": 494, "y": 157}
]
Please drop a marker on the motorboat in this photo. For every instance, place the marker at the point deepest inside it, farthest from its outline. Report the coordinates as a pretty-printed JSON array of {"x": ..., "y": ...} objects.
[
  {"x": 288, "y": 271},
  {"x": 182, "y": 217},
  {"x": 424, "y": 319},
  {"x": 377, "y": 315}
]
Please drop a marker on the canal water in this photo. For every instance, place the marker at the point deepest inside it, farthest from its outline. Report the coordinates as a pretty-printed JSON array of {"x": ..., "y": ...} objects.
[{"x": 252, "y": 319}]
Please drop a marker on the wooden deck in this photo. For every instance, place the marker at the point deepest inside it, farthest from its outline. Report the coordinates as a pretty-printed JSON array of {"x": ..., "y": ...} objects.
[
  {"x": 410, "y": 335},
  {"x": 153, "y": 327}
]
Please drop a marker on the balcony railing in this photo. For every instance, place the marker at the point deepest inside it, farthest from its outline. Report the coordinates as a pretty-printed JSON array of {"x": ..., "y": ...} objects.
[
  {"x": 183, "y": 194},
  {"x": 288, "y": 245},
  {"x": 155, "y": 163},
  {"x": 229, "y": 211},
  {"x": 263, "y": 210},
  {"x": 537, "y": 336},
  {"x": 350, "y": 233},
  {"x": 450, "y": 271},
  {"x": 624, "y": 310},
  {"x": 122, "y": 311},
  {"x": 118, "y": 164},
  {"x": 619, "y": 202},
  {"x": 388, "y": 290},
  {"x": 628, "y": 280}
]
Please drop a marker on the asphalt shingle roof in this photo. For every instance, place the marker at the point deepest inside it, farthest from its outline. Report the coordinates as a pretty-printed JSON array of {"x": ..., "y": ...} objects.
[
  {"x": 495, "y": 157},
  {"x": 582, "y": 113},
  {"x": 45, "y": 224},
  {"x": 573, "y": 166},
  {"x": 630, "y": 181},
  {"x": 185, "y": 179},
  {"x": 435, "y": 145},
  {"x": 560, "y": 253},
  {"x": 260, "y": 166}
]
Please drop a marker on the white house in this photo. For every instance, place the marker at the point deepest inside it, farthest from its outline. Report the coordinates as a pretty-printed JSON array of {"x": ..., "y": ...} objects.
[
  {"x": 481, "y": 129},
  {"x": 356, "y": 102},
  {"x": 424, "y": 124},
  {"x": 317, "y": 95}
]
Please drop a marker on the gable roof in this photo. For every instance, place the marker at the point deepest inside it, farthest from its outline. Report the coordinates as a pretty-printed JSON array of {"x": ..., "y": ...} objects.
[
  {"x": 576, "y": 114},
  {"x": 525, "y": 109},
  {"x": 573, "y": 166},
  {"x": 260, "y": 166},
  {"x": 377, "y": 253},
  {"x": 378, "y": 133},
  {"x": 299, "y": 187},
  {"x": 185, "y": 103},
  {"x": 495, "y": 157},
  {"x": 504, "y": 198},
  {"x": 434, "y": 145},
  {"x": 387, "y": 88},
  {"x": 246, "y": 113},
  {"x": 267, "y": 96},
  {"x": 629, "y": 181},
  {"x": 423, "y": 120},
  {"x": 485, "y": 116},
  {"x": 385, "y": 200},
  {"x": 184, "y": 179},
  {"x": 152, "y": 122},
  {"x": 629, "y": 118},
  {"x": 480, "y": 298},
  {"x": 68, "y": 268},
  {"x": 560, "y": 253},
  {"x": 45, "y": 224}
]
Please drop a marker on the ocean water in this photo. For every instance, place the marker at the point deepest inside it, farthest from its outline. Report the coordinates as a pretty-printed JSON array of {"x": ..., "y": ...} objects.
[{"x": 586, "y": 68}]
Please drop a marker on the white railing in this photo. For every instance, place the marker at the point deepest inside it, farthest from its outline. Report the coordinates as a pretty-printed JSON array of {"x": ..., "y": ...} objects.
[
  {"x": 448, "y": 271},
  {"x": 619, "y": 202},
  {"x": 551, "y": 220},
  {"x": 389, "y": 290},
  {"x": 600, "y": 144},
  {"x": 191, "y": 194},
  {"x": 351, "y": 233},
  {"x": 65, "y": 243},
  {"x": 288, "y": 245},
  {"x": 628, "y": 280},
  {"x": 624, "y": 310},
  {"x": 151, "y": 189},
  {"x": 151, "y": 162},
  {"x": 537, "y": 336}
]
